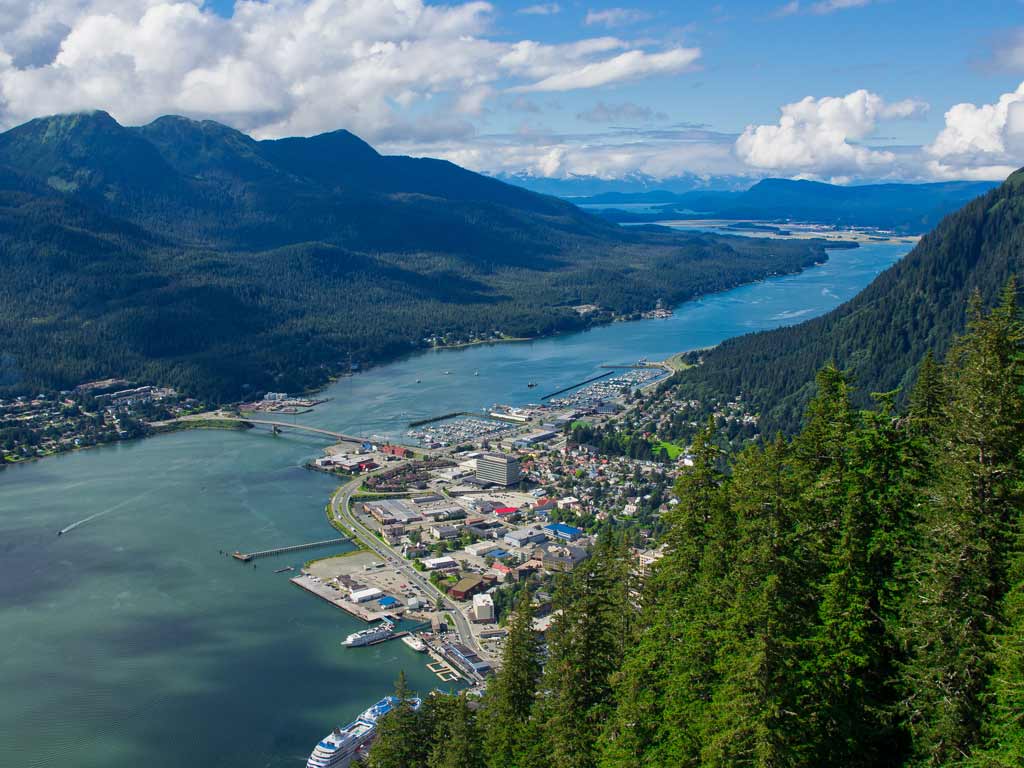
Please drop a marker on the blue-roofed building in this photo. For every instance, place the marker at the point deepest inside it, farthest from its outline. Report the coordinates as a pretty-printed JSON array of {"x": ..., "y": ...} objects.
[
  {"x": 497, "y": 554},
  {"x": 562, "y": 531},
  {"x": 387, "y": 602}
]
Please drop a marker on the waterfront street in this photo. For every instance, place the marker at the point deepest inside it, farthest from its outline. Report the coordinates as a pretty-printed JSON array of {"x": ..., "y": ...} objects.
[{"x": 341, "y": 512}]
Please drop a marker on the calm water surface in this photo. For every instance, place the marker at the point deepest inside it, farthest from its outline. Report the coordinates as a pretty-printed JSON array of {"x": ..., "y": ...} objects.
[{"x": 133, "y": 641}]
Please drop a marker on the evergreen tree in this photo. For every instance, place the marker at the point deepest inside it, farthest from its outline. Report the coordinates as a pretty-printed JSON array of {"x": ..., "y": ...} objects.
[
  {"x": 954, "y": 606},
  {"x": 753, "y": 717},
  {"x": 666, "y": 677},
  {"x": 456, "y": 740},
  {"x": 586, "y": 644},
  {"x": 854, "y": 647},
  {"x": 400, "y": 742},
  {"x": 507, "y": 704}
]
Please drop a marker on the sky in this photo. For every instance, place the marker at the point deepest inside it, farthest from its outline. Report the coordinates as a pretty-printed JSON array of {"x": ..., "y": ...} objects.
[{"x": 839, "y": 90}]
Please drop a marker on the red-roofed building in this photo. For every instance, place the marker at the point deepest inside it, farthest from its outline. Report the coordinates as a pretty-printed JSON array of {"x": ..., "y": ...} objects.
[
  {"x": 396, "y": 450},
  {"x": 506, "y": 511}
]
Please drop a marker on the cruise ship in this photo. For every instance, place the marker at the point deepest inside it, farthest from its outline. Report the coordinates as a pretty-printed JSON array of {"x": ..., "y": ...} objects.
[
  {"x": 339, "y": 748},
  {"x": 382, "y": 631}
]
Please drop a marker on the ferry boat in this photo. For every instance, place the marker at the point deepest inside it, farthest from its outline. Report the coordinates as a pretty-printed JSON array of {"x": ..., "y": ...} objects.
[
  {"x": 340, "y": 747},
  {"x": 382, "y": 631},
  {"x": 415, "y": 643}
]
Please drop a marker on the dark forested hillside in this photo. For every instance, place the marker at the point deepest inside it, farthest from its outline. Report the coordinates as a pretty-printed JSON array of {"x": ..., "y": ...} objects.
[
  {"x": 880, "y": 335},
  {"x": 189, "y": 254},
  {"x": 908, "y": 208}
]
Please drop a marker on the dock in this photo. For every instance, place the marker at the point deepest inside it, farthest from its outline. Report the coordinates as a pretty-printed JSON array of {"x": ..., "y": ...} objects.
[
  {"x": 591, "y": 380},
  {"x": 245, "y": 557},
  {"x": 337, "y": 598}
]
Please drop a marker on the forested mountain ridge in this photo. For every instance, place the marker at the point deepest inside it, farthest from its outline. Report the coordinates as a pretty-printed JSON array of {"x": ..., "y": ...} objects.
[
  {"x": 880, "y": 335},
  {"x": 189, "y": 254},
  {"x": 906, "y": 208}
]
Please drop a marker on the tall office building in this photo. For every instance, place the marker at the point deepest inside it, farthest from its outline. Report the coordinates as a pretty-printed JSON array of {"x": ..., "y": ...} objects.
[{"x": 498, "y": 469}]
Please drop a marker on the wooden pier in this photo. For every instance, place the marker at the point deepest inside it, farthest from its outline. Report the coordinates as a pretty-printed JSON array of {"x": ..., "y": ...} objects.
[{"x": 245, "y": 557}]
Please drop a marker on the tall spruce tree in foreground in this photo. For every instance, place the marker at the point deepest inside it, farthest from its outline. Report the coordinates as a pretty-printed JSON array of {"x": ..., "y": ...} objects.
[
  {"x": 854, "y": 647},
  {"x": 456, "y": 739},
  {"x": 586, "y": 644},
  {"x": 667, "y": 674},
  {"x": 1004, "y": 729},
  {"x": 401, "y": 739},
  {"x": 954, "y": 605},
  {"x": 506, "y": 707},
  {"x": 753, "y": 716}
]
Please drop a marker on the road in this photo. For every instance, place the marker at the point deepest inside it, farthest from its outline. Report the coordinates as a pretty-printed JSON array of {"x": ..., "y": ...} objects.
[{"x": 342, "y": 512}]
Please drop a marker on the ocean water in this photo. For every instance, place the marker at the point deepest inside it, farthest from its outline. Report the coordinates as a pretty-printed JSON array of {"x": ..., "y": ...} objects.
[{"x": 133, "y": 640}]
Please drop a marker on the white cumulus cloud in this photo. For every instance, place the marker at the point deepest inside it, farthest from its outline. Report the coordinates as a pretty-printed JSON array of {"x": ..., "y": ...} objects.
[
  {"x": 279, "y": 67},
  {"x": 822, "y": 136},
  {"x": 981, "y": 142}
]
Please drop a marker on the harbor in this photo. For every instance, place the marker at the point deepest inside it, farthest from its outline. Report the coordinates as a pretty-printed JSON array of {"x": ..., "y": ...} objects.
[{"x": 170, "y": 629}]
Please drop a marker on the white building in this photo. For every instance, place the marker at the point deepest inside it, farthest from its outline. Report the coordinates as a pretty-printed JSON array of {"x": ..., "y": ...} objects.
[
  {"x": 439, "y": 563},
  {"x": 364, "y": 595},
  {"x": 483, "y": 608}
]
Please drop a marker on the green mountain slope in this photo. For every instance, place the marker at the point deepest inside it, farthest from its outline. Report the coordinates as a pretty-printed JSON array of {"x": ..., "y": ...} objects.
[
  {"x": 881, "y": 334},
  {"x": 189, "y": 254}
]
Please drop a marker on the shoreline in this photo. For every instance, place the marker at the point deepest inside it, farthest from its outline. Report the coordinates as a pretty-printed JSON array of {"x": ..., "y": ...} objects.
[{"x": 169, "y": 427}]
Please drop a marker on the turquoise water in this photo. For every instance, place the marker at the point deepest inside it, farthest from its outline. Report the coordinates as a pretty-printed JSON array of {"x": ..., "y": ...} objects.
[
  {"x": 382, "y": 401},
  {"x": 133, "y": 641}
]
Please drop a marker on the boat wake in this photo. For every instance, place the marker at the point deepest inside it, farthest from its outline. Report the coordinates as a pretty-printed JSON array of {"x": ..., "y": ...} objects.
[{"x": 103, "y": 512}]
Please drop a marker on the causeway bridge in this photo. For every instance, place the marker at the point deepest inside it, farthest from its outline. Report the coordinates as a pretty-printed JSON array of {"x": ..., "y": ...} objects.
[{"x": 340, "y": 436}]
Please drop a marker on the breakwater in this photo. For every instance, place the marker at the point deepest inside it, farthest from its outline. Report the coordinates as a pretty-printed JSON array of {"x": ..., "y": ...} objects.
[{"x": 591, "y": 380}]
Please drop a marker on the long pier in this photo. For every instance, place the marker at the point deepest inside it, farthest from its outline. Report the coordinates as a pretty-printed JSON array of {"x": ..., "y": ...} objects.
[
  {"x": 246, "y": 557},
  {"x": 592, "y": 379}
]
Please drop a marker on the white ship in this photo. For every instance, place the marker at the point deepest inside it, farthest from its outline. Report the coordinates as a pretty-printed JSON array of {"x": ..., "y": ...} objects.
[
  {"x": 382, "y": 631},
  {"x": 339, "y": 748},
  {"x": 415, "y": 643}
]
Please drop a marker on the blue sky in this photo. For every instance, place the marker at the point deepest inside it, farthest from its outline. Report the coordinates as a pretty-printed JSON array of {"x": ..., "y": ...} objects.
[{"x": 845, "y": 90}]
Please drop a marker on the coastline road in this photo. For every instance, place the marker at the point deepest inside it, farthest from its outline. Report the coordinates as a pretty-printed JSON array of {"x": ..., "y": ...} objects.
[{"x": 341, "y": 512}]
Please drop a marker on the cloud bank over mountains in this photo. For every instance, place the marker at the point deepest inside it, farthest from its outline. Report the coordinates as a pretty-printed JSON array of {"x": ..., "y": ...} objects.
[{"x": 422, "y": 78}]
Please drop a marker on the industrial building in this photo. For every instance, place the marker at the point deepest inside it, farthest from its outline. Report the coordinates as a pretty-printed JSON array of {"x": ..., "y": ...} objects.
[
  {"x": 364, "y": 595},
  {"x": 524, "y": 536},
  {"x": 563, "y": 532},
  {"x": 497, "y": 468}
]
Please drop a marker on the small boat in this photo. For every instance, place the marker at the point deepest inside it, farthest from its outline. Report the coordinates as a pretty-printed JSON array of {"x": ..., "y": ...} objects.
[
  {"x": 447, "y": 373},
  {"x": 415, "y": 643},
  {"x": 286, "y": 568},
  {"x": 531, "y": 385},
  {"x": 476, "y": 373},
  {"x": 417, "y": 381}
]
